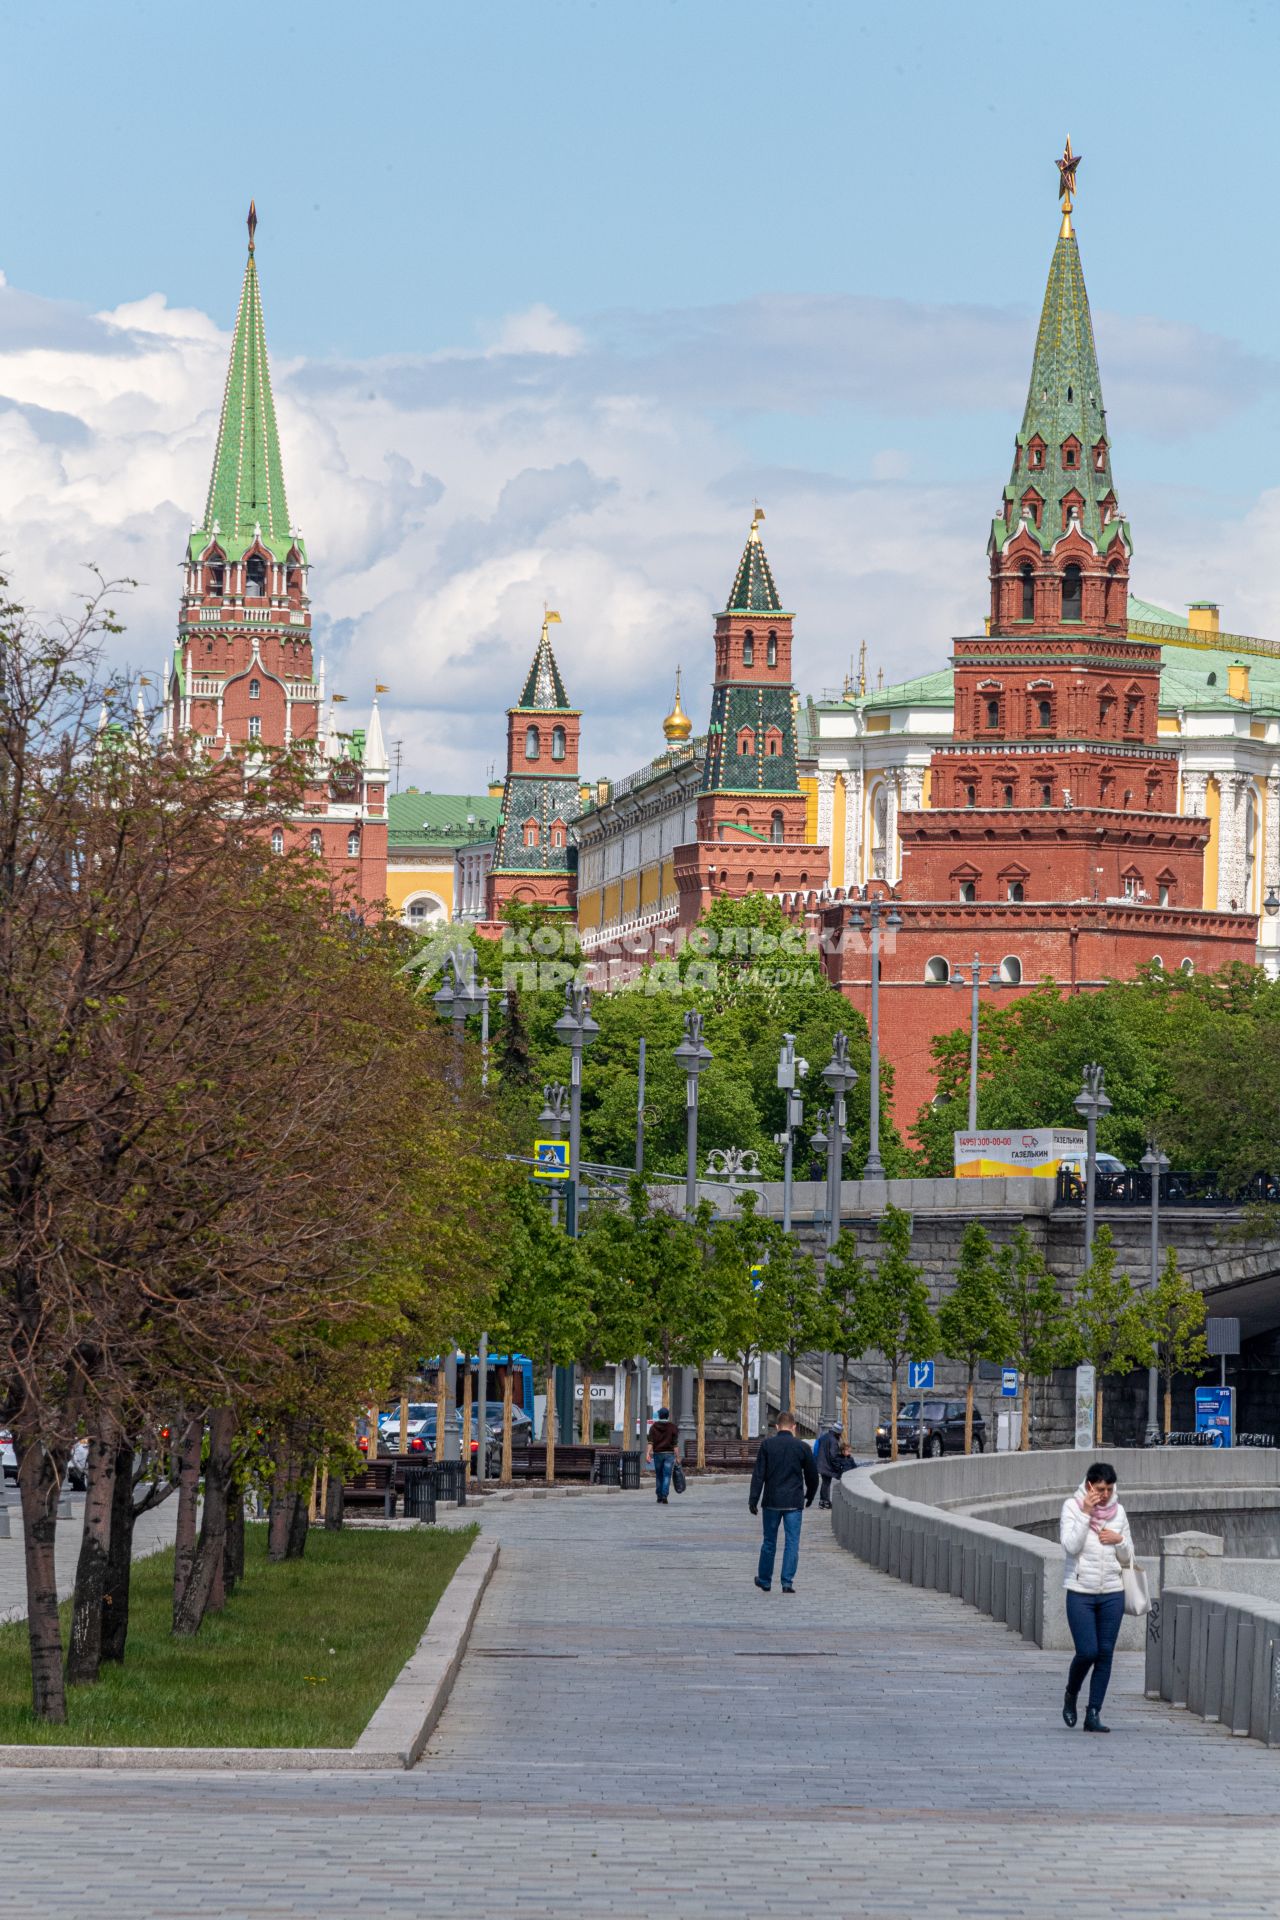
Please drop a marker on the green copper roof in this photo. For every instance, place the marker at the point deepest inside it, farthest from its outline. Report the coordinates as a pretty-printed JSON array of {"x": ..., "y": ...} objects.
[
  {"x": 544, "y": 689},
  {"x": 440, "y": 819},
  {"x": 1064, "y": 402},
  {"x": 246, "y": 489},
  {"x": 753, "y": 590}
]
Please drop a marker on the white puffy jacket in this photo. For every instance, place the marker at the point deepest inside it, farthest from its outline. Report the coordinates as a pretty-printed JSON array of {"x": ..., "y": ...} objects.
[{"x": 1091, "y": 1566}]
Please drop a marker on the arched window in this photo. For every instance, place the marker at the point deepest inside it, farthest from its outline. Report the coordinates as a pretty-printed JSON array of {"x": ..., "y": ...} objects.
[
  {"x": 772, "y": 741},
  {"x": 968, "y": 891},
  {"x": 1044, "y": 714},
  {"x": 317, "y": 840},
  {"x": 217, "y": 578},
  {"x": 1188, "y": 966},
  {"x": 255, "y": 689},
  {"x": 255, "y": 576},
  {"x": 775, "y": 827},
  {"x": 1015, "y": 890},
  {"x": 1011, "y": 971},
  {"x": 1071, "y": 592},
  {"x": 746, "y": 740},
  {"x": 971, "y": 796},
  {"x": 1164, "y": 894},
  {"x": 532, "y": 743},
  {"x": 771, "y": 650},
  {"x": 993, "y": 713},
  {"x": 353, "y": 842},
  {"x": 557, "y": 743},
  {"x": 557, "y": 833},
  {"x": 531, "y": 833},
  {"x": 255, "y": 726},
  {"x": 748, "y": 648},
  {"x": 936, "y": 971},
  {"x": 1028, "y": 591},
  {"x": 277, "y": 839},
  {"x": 1007, "y": 796},
  {"x": 1046, "y": 794}
]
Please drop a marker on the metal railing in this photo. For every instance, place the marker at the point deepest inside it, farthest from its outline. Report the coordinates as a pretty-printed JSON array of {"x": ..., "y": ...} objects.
[{"x": 1132, "y": 1188}]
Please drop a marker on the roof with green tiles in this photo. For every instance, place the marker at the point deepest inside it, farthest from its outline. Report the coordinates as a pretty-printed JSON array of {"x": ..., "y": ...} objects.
[
  {"x": 543, "y": 688},
  {"x": 246, "y": 489},
  {"x": 440, "y": 819},
  {"x": 1193, "y": 670},
  {"x": 1064, "y": 402},
  {"x": 753, "y": 590}
]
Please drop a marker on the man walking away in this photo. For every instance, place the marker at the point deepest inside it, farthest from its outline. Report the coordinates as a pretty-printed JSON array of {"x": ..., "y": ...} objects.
[
  {"x": 664, "y": 1438},
  {"x": 787, "y": 1478},
  {"x": 832, "y": 1460}
]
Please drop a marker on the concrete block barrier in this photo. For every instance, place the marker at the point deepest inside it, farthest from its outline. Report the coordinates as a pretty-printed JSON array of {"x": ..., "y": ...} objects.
[{"x": 1218, "y": 1655}]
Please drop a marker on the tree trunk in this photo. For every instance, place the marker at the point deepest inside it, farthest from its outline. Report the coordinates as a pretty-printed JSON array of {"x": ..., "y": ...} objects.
[
  {"x": 587, "y": 1425},
  {"x": 115, "y": 1592},
  {"x": 85, "y": 1650},
  {"x": 844, "y": 1400},
  {"x": 791, "y": 1387},
  {"x": 968, "y": 1413},
  {"x": 626, "y": 1407},
  {"x": 299, "y": 1525},
  {"x": 184, "y": 1548},
  {"x": 700, "y": 1459},
  {"x": 278, "y": 1505},
  {"x": 38, "y": 1487},
  {"x": 504, "y": 1479},
  {"x": 467, "y": 1455},
  {"x": 404, "y": 1418},
  {"x": 893, "y": 1416},
  {"x": 233, "y": 1551},
  {"x": 551, "y": 1423},
  {"x": 1168, "y": 1409},
  {"x": 1024, "y": 1438},
  {"x": 333, "y": 1504},
  {"x": 206, "y": 1567},
  {"x": 442, "y": 1397},
  {"x": 744, "y": 1406},
  {"x": 1097, "y": 1417}
]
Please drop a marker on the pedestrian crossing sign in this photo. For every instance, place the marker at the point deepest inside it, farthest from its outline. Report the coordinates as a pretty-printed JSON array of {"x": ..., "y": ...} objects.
[{"x": 551, "y": 1159}]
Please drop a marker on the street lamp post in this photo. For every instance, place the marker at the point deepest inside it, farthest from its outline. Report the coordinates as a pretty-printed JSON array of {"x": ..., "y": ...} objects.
[
  {"x": 1155, "y": 1164},
  {"x": 555, "y": 1098},
  {"x": 695, "y": 1057},
  {"x": 1090, "y": 1103},
  {"x": 874, "y": 1169},
  {"x": 838, "y": 1076},
  {"x": 976, "y": 981}
]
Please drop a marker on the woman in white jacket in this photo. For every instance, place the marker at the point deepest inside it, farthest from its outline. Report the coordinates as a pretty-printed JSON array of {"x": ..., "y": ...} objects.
[{"x": 1095, "y": 1536}]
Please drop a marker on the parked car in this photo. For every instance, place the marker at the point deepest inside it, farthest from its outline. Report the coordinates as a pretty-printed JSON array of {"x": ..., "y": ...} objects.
[
  {"x": 943, "y": 1429},
  {"x": 8, "y": 1458},
  {"x": 521, "y": 1424}
]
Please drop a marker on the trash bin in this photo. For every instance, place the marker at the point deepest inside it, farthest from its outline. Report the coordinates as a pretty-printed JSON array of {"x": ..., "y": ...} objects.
[
  {"x": 608, "y": 1469},
  {"x": 450, "y": 1482},
  {"x": 629, "y": 1470},
  {"x": 420, "y": 1494}
]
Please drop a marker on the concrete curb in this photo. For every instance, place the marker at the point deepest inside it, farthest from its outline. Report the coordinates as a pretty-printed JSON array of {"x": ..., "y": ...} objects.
[{"x": 393, "y": 1740}]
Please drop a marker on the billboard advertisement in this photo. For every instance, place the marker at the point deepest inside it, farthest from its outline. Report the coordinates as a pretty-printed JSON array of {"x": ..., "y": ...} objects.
[{"x": 1039, "y": 1151}]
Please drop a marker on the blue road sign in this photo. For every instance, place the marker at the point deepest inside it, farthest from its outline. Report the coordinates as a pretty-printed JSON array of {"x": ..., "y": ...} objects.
[
  {"x": 1009, "y": 1382},
  {"x": 551, "y": 1159},
  {"x": 1213, "y": 1414},
  {"x": 920, "y": 1376},
  {"x": 757, "y": 1278}
]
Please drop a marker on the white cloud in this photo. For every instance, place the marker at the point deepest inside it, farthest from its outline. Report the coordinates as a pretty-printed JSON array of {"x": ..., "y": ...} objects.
[{"x": 601, "y": 469}]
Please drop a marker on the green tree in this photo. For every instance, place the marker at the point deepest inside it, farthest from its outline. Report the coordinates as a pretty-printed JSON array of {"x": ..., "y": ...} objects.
[
  {"x": 1175, "y": 1319},
  {"x": 1108, "y": 1326},
  {"x": 973, "y": 1321},
  {"x": 1037, "y": 1319},
  {"x": 792, "y": 1312},
  {"x": 739, "y": 1244},
  {"x": 896, "y": 1318},
  {"x": 844, "y": 1281},
  {"x": 543, "y": 1303}
]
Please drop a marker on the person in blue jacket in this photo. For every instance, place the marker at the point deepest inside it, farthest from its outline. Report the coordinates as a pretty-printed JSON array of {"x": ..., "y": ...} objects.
[{"x": 832, "y": 1460}]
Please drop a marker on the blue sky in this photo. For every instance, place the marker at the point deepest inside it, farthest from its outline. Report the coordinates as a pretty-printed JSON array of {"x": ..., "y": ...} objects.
[{"x": 555, "y": 291}]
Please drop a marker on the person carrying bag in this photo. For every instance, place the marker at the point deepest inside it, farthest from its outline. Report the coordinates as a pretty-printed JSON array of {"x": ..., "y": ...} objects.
[{"x": 1094, "y": 1530}]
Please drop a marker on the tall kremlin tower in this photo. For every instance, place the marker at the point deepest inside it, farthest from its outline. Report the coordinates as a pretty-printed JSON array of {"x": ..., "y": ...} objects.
[
  {"x": 534, "y": 862},
  {"x": 241, "y": 684},
  {"x": 1052, "y": 844}
]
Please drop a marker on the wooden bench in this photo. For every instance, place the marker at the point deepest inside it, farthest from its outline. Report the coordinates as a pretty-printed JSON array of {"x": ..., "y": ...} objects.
[
  {"x": 375, "y": 1487},
  {"x": 572, "y": 1462},
  {"x": 724, "y": 1453}
]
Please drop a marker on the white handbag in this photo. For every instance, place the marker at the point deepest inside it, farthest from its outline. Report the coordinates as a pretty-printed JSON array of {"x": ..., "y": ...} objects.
[{"x": 1137, "y": 1594}]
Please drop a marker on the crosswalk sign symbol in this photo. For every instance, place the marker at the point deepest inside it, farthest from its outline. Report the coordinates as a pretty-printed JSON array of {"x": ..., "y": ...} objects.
[{"x": 551, "y": 1159}]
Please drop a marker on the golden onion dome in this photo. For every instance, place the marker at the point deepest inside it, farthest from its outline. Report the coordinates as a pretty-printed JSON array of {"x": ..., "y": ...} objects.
[{"x": 677, "y": 726}]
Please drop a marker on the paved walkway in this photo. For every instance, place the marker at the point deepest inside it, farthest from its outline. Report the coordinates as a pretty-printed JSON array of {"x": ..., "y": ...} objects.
[
  {"x": 637, "y": 1734},
  {"x": 151, "y": 1530}
]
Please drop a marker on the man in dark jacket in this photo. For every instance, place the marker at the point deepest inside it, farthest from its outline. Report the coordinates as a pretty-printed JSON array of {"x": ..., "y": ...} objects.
[
  {"x": 787, "y": 1478},
  {"x": 832, "y": 1460}
]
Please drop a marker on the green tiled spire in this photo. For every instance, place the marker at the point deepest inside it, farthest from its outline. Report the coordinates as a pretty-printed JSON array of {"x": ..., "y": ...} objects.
[
  {"x": 246, "y": 489},
  {"x": 544, "y": 689},
  {"x": 753, "y": 590},
  {"x": 1064, "y": 401}
]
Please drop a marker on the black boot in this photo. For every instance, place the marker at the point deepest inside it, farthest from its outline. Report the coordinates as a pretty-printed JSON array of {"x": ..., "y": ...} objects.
[
  {"x": 1069, "y": 1707},
  {"x": 1092, "y": 1724}
]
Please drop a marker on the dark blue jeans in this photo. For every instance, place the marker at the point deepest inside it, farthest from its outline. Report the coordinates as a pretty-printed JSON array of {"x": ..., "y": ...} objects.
[
  {"x": 1094, "y": 1620},
  {"x": 663, "y": 1467},
  {"x": 775, "y": 1517}
]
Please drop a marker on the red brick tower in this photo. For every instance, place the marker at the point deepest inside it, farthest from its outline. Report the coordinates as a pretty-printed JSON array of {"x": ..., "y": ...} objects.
[
  {"x": 241, "y": 683},
  {"x": 751, "y": 811},
  {"x": 1052, "y": 843},
  {"x": 534, "y": 862}
]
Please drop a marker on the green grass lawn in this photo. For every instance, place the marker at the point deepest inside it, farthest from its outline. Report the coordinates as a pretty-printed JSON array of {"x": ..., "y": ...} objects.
[{"x": 300, "y": 1658}]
